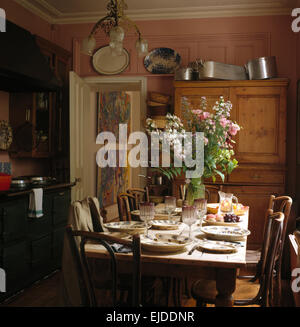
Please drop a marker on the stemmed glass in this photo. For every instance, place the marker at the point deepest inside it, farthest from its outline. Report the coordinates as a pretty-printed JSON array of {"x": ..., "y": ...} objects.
[
  {"x": 201, "y": 207},
  {"x": 170, "y": 204},
  {"x": 147, "y": 213},
  {"x": 189, "y": 216}
]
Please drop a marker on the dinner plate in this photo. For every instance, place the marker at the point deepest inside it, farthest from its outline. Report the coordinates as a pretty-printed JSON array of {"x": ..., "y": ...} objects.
[
  {"x": 165, "y": 242},
  {"x": 217, "y": 247},
  {"x": 162, "y": 61},
  {"x": 165, "y": 224},
  {"x": 106, "y": 64},
  {"x": 126, "y": 227},
  {"x": 226, "y": 233},
  {"x": 160, "y": 216}
]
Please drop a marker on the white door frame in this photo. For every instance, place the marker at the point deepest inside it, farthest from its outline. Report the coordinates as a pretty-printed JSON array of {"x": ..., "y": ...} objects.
[{"x": 112, "y": 211}]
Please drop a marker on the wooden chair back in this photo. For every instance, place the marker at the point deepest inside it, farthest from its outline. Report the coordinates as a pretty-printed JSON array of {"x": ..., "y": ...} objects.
[
  {"x": 125, "y": 205},
  {"x": 211, "y": 192},
  {"x": 275, "y": 230},
  {"x": 140, "y": 195},
  {"x": 86, "y": 284}
]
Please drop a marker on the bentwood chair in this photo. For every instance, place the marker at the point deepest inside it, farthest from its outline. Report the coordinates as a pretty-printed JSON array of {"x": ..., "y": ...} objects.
[
  {"x": 246, "y": 293},
  {"x": 87, "y": 284},
  {"x": 276, "y": 204},
  {"x": 125, "y": 205},
  {"x": 140, "y": 195}
]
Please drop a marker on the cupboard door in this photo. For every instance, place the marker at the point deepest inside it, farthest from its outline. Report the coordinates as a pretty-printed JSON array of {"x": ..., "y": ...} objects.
[
  {"x": 13, "y": 220},
  {"x": 15, "y": 262},
  {"x": 257, "y": 198},
  {"x": 194, "y": 94},
  {"x": 57, "y": 246},
  {"x": 261, "y": 113},
  {"x": 61, "y": 203}
]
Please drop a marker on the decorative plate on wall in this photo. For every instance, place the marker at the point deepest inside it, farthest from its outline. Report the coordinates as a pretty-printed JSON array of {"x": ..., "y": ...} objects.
[
  {"x": 162, "y": 61},
  {"x": 107, "y": 64},
  {"x": 5, "y": 135}
]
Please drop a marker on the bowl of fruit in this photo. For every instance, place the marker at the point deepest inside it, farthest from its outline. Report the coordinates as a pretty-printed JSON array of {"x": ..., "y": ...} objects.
[{"x": 228, "y": 219}]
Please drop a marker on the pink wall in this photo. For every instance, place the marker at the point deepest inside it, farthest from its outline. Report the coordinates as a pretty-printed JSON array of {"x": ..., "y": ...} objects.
[{"x": 231, "y": 40}]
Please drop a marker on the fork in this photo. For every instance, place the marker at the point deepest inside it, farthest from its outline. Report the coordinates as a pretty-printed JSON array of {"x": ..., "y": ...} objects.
[{"x": 193, "y": 249}]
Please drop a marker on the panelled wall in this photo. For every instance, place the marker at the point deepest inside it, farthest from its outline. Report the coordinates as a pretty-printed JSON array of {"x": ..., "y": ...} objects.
[{"x": 231, "y": 40}]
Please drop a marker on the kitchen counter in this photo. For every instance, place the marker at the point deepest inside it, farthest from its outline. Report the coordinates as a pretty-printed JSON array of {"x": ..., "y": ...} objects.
[{"x": 22, "y": 191}]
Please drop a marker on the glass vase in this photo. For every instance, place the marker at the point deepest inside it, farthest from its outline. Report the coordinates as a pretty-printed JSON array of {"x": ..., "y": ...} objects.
[{"x": 195, "y": 190}]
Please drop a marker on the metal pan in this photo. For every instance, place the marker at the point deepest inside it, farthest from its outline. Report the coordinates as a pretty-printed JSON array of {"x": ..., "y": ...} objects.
[{"x": 261, "y": 68}]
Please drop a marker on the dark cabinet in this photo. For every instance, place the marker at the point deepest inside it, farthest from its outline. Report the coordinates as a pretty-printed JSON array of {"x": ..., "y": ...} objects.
[
  {"x": 31, "y": 248},
  {"x": 13, "y": 220}
]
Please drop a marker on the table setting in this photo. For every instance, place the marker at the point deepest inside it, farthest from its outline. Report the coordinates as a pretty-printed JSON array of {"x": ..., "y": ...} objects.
[{"x": 212, "y": 228}]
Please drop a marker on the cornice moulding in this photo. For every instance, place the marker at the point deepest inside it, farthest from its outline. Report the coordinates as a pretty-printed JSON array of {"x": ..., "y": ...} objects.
[{"x": 53, "y": 16}]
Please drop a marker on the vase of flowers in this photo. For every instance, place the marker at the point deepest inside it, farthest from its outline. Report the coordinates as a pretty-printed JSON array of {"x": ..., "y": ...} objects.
[{"x": 217, "y": 130}]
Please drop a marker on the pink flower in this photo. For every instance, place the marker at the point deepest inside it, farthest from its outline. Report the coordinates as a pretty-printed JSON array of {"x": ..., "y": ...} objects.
[
  {"x": 205, "y": 140},
  {"x": 223, "y": 122},
  {"x": 205, "y": 115},
  {"x": 197, "y": 112},
  {"x": 233, "y": 129}
]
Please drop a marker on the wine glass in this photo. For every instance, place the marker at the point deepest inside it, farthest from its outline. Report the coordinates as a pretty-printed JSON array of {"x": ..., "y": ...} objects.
[
  {"x": 201, "y": 207},
  {"x": 147, "y": 213},
  {"x": 170, "y": 204},
  {"x": 189, "y": 216}
]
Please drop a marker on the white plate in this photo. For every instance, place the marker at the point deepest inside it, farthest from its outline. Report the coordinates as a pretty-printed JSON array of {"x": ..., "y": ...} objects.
[
  {"x": 217, "y": 246},
  {"x": 126, "y": 227},
  {"x": 165, "y": 224},
  {"x": 165, "y": 242},
  {"x": 106, "y": 64},
  {"x": 229, "y": 233}
]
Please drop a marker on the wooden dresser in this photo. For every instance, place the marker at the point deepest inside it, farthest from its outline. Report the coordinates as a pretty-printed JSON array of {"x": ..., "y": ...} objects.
[{"x": 259, "y": 106}]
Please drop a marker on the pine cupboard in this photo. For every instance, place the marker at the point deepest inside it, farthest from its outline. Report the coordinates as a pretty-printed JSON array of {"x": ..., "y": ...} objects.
[{"x": 259, "y": 106}]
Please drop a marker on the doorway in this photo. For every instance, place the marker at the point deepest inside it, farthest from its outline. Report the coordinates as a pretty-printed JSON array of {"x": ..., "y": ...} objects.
[{"x": 83, "y": 130}]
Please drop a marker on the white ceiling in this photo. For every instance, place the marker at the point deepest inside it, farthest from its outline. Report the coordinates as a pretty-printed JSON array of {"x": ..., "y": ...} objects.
[{"x": 79, "y": 11}]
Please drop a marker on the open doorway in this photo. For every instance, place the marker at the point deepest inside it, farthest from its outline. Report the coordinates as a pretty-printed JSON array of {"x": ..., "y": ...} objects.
[{"x": 84, "y": 128}]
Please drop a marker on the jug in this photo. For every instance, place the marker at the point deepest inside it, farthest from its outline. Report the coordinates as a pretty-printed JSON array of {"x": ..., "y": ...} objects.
[{"x": 226, "y": 200}]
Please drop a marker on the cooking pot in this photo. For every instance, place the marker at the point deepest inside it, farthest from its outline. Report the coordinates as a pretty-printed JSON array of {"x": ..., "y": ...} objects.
[
  {"x": 261, "y": 68},
  {"x": 184, "y": 74}
]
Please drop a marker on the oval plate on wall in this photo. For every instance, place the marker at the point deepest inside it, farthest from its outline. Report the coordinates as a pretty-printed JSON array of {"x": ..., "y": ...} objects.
[
  {"x": 162, "y": 61},
  {"x": 107, "y": 64}
]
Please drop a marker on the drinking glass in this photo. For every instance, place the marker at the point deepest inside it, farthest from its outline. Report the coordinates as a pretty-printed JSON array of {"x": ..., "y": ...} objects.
[
  {"x": 147, "y": 213},
  {"x": 201, "y": 207},
  {"x": 189, "y": 216},
  {"x": 170, "y": 204}
]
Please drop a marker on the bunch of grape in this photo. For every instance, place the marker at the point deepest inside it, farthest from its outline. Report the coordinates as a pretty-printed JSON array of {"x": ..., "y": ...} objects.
[{"x": 231, "y": 218}]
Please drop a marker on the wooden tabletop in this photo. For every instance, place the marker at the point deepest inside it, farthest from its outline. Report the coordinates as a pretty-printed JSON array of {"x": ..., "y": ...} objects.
[{"x": 196, "y": 259}]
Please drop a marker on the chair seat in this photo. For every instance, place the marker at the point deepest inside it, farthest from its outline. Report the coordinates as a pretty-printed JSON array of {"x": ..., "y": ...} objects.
[{"x": 205, "y": 290}]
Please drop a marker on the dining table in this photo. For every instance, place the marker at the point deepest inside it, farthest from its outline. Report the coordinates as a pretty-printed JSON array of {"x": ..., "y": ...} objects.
[{"x": 190, "y": 261}]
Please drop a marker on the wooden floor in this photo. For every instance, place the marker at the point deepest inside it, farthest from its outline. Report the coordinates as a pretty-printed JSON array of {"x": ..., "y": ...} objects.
[{"x": 45, "y": 294}]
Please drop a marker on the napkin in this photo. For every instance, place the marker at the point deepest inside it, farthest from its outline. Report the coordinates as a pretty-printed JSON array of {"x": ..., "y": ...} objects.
[
  {"x": 36, "y": 203},
  {"x": 120, "y": 248}
]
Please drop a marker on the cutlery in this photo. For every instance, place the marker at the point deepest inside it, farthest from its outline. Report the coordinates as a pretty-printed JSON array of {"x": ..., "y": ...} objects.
[{"x": 193, "y": 249}]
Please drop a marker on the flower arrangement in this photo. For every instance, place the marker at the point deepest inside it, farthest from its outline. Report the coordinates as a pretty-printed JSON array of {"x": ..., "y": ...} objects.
[{"x": 218, "y": 132}]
